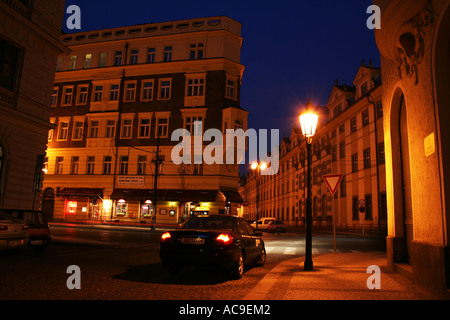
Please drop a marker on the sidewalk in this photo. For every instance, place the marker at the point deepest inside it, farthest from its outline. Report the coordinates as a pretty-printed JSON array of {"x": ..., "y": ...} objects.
[{"x": 341, "y": 276}]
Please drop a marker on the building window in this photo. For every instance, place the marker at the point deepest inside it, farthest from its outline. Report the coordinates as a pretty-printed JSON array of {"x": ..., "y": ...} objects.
[
  {"x": 67, "y": 96},
  {"x": 114, "y": 92},
  {"x": 381, "y": 156},
  {"x": 231, "y": 89},
  {"x": 164, "y": 89},
  {"x": 102, "y": 60},
  {"x": 134, "y": 56},
  {"x": 342, "y": 150},
  {"x": 93, "y": 129},
  {"x": 147, "y": 90},
  {"x": 144, "y": 128},
  {"x": 55, "y": 96},
  {"x": 90, "y": 165},
  {"x": 73, "y": 63},
  {"x": 365, "y": 117},
  {"x": 337, "y": 110},
  {"x": 110, "y": 128},
  {"x": 368, "y": 207},
  {"x": 63, "y": 130},
  {"x": 121, "y": 208},
  {"x": 78, "y": 129},
  {"x": 142, "y": 164},
  {"x": 343, "y": 187},
  {"x": 151, "y": 52},
  {"x": 59, "y": 165},
  {"x": 162, "y": 127},
  {"x": 127, "y": 126},
  {"x": 355, "y": 162},
  {"x": 8, "y": 65},
  {"x": 118, "y": 58},
  {"x": 130, "y": 91},
  {"x": 167, "y": 53},
  {"x": 87, "y": 60},
  {"x": 342, "y": 129},
  {"x": 193, "y": 127},
  {"x": 123, "y": 169},
  {"x": 107, "y": 165},
  {"x": 379, "y": 108},
  {"x": 82, "y": 95},
  {"x": 196, "y": 51},
  {"x": 355, "y": 209},
  {"x": 334, "y": 153},
  {"x": 74, "y": 165},
  {"x": 366, "y": 154},
  {"x": 196, "y": 87},
  {"x": 58, "y": 64},
  {"x": 238, "y": 125},
  {"x": 364, "y": 88},
  {"x": 353, "y": 124},
  {"x": 98, "y": 93}
]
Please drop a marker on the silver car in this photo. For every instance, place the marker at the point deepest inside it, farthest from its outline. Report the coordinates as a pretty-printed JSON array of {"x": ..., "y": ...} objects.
[{"x": 13, "y": 232}]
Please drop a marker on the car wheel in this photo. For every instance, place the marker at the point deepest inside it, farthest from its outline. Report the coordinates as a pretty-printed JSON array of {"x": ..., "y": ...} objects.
[
  {"x": 262, "y": 259},
  {"x": 238, "y": 269}
]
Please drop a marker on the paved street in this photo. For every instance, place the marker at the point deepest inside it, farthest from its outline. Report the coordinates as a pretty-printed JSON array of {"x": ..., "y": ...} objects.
[{"x": 124, "y": 265}]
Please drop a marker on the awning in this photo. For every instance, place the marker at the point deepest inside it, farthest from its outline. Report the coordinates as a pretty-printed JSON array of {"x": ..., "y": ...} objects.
[
  {"x": 165, "y": 195},
  {"x": 80, "y": 192},
  {"x": 232, "y": 196}
]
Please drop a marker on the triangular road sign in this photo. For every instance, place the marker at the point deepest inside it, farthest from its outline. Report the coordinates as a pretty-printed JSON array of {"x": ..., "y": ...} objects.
[{"x": 332, "y": 181}]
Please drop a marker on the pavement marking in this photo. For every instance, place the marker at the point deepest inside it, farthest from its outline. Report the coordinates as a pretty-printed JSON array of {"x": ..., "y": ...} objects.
[{"x": 290, "y": 251}]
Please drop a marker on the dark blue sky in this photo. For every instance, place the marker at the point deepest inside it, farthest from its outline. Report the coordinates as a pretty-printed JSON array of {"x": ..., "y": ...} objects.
[{"x": 292, "y": 50}]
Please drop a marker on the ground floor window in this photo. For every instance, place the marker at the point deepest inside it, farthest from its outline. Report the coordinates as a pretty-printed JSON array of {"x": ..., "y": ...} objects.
[
  {"x": 121, "y": 208},
  {"x": 146, "y": 210}
]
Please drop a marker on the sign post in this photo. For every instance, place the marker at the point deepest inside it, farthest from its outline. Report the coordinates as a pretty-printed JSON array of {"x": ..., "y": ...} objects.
[{"x": 332, "y": 181}]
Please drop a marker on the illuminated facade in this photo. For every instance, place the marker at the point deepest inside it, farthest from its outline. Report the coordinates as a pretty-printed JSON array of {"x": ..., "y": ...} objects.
[
  {"x": 29, "y": 44},
  {"x": 349, "y": 141},
  {"x": 414, "y": 44},
  {"x": 123, "y": 91}
]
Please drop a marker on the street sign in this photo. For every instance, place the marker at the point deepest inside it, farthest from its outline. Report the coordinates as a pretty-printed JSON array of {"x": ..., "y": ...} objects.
[{"x": 332, "y": 181}]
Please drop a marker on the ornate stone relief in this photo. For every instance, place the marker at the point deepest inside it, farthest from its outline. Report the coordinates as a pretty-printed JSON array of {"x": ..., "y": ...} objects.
[{"x": 411, "y": 43}]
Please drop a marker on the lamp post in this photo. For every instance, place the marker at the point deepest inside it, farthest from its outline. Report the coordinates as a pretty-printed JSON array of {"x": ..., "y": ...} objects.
[
  {"x": 308, "y": 123},
  {"x": 258, "y": 166}
]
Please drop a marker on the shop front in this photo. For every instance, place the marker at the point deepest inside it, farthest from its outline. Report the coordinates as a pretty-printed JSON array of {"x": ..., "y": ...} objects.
[
  {"x": 80, "y": 204},
  {"x": 172, "y": 207}
]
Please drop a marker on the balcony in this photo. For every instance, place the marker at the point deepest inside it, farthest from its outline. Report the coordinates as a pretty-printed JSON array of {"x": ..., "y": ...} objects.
[{"x": 7, "y": 98}]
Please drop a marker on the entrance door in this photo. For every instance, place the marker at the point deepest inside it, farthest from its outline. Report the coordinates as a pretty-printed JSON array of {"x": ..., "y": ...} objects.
[
  {"x": 48, "y": 203},
  {"x": 406, "y": 179}
]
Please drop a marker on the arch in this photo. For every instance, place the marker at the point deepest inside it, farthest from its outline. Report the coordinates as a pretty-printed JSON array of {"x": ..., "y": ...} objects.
[{"x": 401, "y": 206}]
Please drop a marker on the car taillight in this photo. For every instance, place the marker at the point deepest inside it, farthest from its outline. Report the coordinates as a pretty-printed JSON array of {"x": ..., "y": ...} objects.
[
  {"x": 24, "y": 226},
  {"x": 224, "y": 238},
  {"x": 3, "y": 227},
  {"x": 166, "y": 236}
]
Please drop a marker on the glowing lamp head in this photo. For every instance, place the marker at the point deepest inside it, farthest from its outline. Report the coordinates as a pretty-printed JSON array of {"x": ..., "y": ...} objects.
[
  {"x": 254, "y": 165},
  {"x": 263, "y": 165},
  {"x": 308, "y": 123}
]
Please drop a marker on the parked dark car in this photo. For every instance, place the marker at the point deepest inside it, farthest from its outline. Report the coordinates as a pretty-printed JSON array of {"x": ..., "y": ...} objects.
[
  {"x": 38, "y": 228},
  {"x": 221, "y": 241},
  {"x": 276, "y": 226}
]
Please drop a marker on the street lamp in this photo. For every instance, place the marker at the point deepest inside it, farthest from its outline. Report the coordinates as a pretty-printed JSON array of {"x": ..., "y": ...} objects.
[
  {"x": 258, "y": 166},
  {"x": 308, "y": 123}
]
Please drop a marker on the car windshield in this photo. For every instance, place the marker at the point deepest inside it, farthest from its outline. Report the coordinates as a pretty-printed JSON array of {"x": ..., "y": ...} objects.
[{"x": 209, "y": 223}]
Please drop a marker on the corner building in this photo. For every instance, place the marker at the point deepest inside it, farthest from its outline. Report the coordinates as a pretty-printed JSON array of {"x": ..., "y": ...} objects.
[
  {"x": 122, "y": 92},
  {"x": 349, "y": 141}
]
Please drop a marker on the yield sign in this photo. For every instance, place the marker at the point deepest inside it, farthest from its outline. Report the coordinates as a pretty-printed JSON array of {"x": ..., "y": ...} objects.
[{"x": 332, "y": 181}]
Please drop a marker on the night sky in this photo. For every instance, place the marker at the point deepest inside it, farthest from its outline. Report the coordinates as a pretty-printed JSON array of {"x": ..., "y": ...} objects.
[{"x": 292, "y": 50}]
